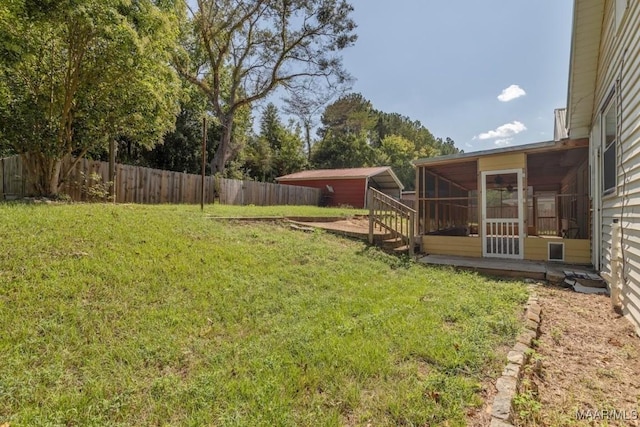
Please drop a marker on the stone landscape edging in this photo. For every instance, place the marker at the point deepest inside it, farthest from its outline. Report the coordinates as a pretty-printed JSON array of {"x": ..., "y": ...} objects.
[{"x": 508, "y": 384}]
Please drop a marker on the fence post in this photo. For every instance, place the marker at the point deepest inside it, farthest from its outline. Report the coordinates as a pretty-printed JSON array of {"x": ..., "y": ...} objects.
[
  {"x": 112, "y": 168},
  {"x": 204, "y": 160},
  {"x": 2, "y": 177}
]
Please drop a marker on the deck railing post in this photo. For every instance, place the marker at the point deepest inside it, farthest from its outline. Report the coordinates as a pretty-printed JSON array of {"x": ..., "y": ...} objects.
[
  {"x": 370, "y": 196},
  {"x": 412, "y": 235}
]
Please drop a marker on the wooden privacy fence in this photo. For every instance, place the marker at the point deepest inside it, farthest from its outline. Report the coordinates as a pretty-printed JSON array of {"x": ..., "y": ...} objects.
[
  {"x": 135, "y": 184},
  {"x": 236, "y": 192},
  {"x": 12, "y": 183}
]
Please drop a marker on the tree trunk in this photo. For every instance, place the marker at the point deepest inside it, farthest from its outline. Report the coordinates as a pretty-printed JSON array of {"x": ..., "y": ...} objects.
[
  {"x": 43, "y": 173},
  {"x": 223, "y": 152},
  {"x": 54, "y": 166},
  {"x": 307, "y": 136}
]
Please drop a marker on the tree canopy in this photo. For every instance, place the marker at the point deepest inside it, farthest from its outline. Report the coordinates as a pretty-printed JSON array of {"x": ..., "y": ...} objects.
[
  {"x": 306, "y": 103},
  {"x": 276, "y": 150},
  {"x": 239, "y": 51},
  {"x": 78, "y": 74},
  {"x": 354, "y": 134},
  {"x": 82, "y": 73}
]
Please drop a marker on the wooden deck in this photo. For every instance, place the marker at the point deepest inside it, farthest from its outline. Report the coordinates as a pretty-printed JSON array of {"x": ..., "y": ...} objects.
[
  {"x": 551, "y": 271},
  {"x": 357, "y": 227}
]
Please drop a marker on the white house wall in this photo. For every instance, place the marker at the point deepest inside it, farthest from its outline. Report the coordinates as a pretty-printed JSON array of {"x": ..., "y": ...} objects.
[{"x": 620, "y": 60}]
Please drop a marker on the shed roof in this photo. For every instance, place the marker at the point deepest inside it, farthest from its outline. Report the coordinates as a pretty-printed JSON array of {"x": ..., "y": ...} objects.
[{"x": 383, "y": 175}]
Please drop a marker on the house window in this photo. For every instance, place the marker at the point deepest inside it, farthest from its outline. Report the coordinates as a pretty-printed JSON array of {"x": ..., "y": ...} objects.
[{"x": 609, "y": 142}]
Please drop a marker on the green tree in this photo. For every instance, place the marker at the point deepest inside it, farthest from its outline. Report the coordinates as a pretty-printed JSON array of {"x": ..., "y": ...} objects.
[
  {"x": 10, "y": 52},
  {"x": 290, "y": 157},
  {"x": 88, "y": 71},
  {"x": 403, "y": 140},
  {"x": 397, "y": 124},
  {"x": 181, "y": 149},
  {"x": 351, "y": 114},
  {"x": 447, "y": 146},
  {"x": 239, "y": 51},
  {"x": 307, "y": 102},
  {"x": 398, "y": 152},
  {"x": 347, "y": 131},
  {"x": 271, "y": 128},
  {"x": 277, "y": 150},
  {"x": 259, "y": 159},
  {"x": 343, "y": 151},
  {"x": 354, "y": 134}
]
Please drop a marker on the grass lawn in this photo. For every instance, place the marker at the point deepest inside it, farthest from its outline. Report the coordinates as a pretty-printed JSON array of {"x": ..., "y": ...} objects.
[{"x": 156, "y": 315}]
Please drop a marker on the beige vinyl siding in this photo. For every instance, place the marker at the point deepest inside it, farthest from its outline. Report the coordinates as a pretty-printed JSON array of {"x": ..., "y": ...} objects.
[
  {"x": 576, "y": 251},
  {"x": 452, "y": 245},
  {"x": 502, "y": 162},
  {"x": 620, "y": 59},
  {"x": 535, "y": 248}
]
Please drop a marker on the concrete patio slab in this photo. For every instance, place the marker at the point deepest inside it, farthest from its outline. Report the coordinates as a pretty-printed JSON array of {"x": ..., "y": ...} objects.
[{"x": 537, "y": 270}]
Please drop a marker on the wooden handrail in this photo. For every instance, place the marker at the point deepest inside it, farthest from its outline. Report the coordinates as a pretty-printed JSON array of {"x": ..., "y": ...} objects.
[{"x": 386, "y": 213}]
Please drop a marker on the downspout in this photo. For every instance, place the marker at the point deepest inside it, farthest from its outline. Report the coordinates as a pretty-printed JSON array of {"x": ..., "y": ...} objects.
[
  {"x": 596, "y": 191},
  {"x": 616, "y": 283},
  {"x": 618, "y": 257}
]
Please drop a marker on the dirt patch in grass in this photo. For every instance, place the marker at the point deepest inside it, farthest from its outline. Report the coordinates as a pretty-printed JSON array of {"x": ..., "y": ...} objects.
[{"x": 588, "y": 361}]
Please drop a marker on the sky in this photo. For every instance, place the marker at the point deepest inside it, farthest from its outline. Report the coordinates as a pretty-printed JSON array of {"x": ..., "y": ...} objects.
[{"x": 487, "y": 73}]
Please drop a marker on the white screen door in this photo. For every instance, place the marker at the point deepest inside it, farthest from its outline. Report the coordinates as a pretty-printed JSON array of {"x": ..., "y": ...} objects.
[{"x": 503, "y": 214}]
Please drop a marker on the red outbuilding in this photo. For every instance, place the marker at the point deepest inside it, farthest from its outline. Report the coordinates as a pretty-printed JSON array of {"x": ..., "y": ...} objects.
[{"x": 347, "y": 186}]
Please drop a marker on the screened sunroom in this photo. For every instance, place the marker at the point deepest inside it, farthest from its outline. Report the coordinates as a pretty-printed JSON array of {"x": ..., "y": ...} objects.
[{"x": 527, "y": 202}]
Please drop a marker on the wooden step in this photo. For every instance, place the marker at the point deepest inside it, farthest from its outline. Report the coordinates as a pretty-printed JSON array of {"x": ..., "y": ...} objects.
[
  {"x": 382, "y": 237},
  {"x": 393, "y": 243},
  {"x": 392, "y": 240}
]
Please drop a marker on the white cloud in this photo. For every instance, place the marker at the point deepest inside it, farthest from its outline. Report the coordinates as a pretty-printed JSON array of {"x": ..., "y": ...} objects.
[
  {"x": 511, "y": 93},
  {"x": 505, "y": 131},
  {"x": 505, "y": 141}
]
